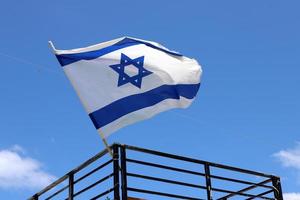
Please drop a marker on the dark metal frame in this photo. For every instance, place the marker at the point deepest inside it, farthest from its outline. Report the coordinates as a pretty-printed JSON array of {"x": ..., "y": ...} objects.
[{"x": 270, "y": 185}]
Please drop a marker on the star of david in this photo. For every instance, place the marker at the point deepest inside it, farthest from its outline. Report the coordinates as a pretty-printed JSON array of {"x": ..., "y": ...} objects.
[{"x": 130, "y": 70}]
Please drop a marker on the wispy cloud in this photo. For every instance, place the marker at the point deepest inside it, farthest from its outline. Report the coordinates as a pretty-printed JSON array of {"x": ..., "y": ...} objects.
[
  {"x": 290, "y": 157},
  {"x": 291, "y": 196},
  {"x": 20, "y": 171}
]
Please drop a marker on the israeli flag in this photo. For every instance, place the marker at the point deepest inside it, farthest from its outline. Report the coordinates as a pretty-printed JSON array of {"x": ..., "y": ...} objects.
[{"x": 126, "y": 80}]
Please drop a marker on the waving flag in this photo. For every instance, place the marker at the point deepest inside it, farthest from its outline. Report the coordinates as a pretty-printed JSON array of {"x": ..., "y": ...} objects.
[{"x": 126, "y": 80}]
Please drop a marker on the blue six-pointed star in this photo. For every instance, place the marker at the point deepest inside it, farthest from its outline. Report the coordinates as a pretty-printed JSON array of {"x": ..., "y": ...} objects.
[{"x": 124, "y": 78}]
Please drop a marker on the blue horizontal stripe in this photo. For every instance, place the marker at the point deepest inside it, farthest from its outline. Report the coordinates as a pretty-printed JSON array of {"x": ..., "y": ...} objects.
[
  {"x": 132, "y": 103},
  {"x": 65, "y": 59},
  {"x": 126, "y": 40}
]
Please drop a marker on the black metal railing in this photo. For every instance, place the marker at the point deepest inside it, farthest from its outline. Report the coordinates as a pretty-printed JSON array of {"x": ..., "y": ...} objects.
[{"x": 148, "y": 174}]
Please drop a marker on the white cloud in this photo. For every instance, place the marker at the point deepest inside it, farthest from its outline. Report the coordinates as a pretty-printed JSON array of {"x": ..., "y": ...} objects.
[
  {"x": 291, "y": 196},
  {"x": 290, "y": 157},
  {"x": 20, "y": 171}
]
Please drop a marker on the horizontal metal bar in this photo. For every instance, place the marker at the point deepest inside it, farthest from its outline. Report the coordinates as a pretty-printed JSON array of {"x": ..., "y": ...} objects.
[
  {"x": 93, "y": 185},
  {"x": 240, "y": 170},
  {"x": 166, "y": 181},
  {"x": 89, "y": 161},
  {"x": 261, "y": 195},
  {"x": 52, "y": 185},
  {"x": 241, "y": 181},
  {"x": 63, "y": 178},
  {"x": 247, "y": 188},
  {"x": 153, "y": 152},
  {"x": 103, "y": 193},
  {"x": 93, "y": 171},
  {"x": 162, "y": 194},
  {"x": 57, "y": 192},
  {"x": 234, "y": 192},
  {"x": 86, "y": 175},
  {"x": 165, "y": 167},
  {"x": 195, "y": 173},
  {"x": 34, "y": 197}
]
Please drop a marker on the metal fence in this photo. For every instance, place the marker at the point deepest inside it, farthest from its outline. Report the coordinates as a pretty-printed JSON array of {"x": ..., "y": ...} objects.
[{"x": 138, "y": 173}]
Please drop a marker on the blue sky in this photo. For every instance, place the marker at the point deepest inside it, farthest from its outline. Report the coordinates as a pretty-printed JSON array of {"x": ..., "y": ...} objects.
[{"x": 246, "y": 114}]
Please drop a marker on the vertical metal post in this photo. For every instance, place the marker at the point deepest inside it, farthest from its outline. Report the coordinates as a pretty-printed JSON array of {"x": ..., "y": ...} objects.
[
  {"x": 116, "y": 172},
  {"x": 277, "y": 188},
  {"x": 208, "y": 181},
  {"x": 123, "y": 173},
  {"x": 71, "y": 186}
]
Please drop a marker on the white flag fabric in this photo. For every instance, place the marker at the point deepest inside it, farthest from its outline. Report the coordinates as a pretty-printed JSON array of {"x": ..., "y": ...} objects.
[{"x": 126, "y": 80}]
